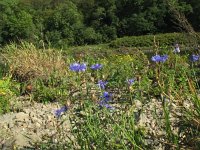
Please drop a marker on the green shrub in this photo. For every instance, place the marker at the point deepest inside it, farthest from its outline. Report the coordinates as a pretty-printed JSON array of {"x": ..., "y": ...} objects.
[
  {"x": 90, "y": 36},
  {"x": 51, "y": 90},
  {"x": 8, "y": 89},
  {"x": 167, "y": 39},
  {"x": 4, "y": 104}
]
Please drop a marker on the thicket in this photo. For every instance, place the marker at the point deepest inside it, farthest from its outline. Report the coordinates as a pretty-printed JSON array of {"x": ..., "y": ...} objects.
[
  {"x": 79, "y": 22},
  {"x": 167, "y": 39}
]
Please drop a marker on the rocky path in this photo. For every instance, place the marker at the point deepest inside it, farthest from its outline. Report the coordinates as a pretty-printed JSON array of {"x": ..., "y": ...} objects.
[{"x": 30, "y": 124}]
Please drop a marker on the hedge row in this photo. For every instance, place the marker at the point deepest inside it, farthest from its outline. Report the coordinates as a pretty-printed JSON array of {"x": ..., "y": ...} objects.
[{"x": 166, "y": 39}]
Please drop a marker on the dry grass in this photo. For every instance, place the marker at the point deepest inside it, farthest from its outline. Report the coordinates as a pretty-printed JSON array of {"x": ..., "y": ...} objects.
[{"x": 26, "y": 62}]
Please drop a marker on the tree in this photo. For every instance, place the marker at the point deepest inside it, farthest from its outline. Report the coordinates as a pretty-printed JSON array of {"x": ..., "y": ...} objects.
[
  {"x": 194, "y": 15},
  {"x": 140, "y": 16},
  {"x": 77, "y": 22},
  {"x": 62, "y": 22},
  {"x": 177, "y": 13},
  {"x": 101, "y": 16},
  {"x": 15, "y": 23}
]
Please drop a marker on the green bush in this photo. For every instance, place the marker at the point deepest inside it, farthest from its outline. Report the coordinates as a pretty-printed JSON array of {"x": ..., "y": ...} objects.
[
  {"x": 86, "y": 35},
  {"x": 8, "y": 89},
  {"x": 167, "y": 39},
  {"x": 50, "y": 90}
]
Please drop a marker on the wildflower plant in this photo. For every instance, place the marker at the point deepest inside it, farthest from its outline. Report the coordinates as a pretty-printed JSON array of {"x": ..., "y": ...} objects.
[
  {"x": 130, "y": 90},
  {"x": 159, "y": 58},
  {"x": 157, "y": 82},
  {"x": 102, "y": 84},
  {"x": 78, "y": 80},
  {"x": 194, "y": 58},
  {"x": 106, "y": 97},
  {"x": 96, "y": 66},
  {"x": 96, "y": 73},
  {"x": 77, "y": 67},
  {"x": 60, "y": 111},
  {"x": 130, "y": 81}
]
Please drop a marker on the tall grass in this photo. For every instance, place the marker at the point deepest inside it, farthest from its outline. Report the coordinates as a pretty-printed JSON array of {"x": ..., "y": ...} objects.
[{"x": 27, "y": 62}]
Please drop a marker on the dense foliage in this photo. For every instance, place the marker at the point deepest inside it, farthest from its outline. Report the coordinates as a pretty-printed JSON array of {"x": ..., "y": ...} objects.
[
  {"x": 148, "y": 40},
  {"x": 78, "y": 22}
]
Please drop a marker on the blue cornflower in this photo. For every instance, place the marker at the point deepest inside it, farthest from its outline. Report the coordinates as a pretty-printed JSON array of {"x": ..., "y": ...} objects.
[
  {"x": 130, "y": 81},
  {"x": 194, "y": 58},
  {"x": 106, "y": 96},
  {"x": 102, "y": 84},
  {"x": 96, "y": 66},
  {"x": 104, "y": 103},
  {"x": 106, "y": 106},
  {"x": 78, "y": 67},
  {"x": 74, "y": 67},
  {"x": 83, "y": 67},
  {"x": 159, "y": 58},
  {"x": 164, "y": 58},
  {"x": 58, "y": 112}
]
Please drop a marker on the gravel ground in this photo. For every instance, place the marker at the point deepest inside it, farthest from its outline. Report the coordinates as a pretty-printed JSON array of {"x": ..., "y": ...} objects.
[
  {"x": 32, "y": 121},
  {"x": 31, "y": 124}
]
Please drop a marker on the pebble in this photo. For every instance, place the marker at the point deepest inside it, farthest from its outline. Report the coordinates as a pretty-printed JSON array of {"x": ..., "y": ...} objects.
[
  {"x": 21, "y": 116},
  {"x": 138, "y": 104},
  {"x": 10, "y": 125}
]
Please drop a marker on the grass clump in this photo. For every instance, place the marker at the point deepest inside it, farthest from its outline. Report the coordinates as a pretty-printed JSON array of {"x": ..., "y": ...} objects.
[
  {"x": 26, "y": 62},
  {"x": 31, "y": 66}
]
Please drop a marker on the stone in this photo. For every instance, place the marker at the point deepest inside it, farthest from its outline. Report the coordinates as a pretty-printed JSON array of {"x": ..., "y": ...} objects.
[
  {"x": 37, "y": 125},
  {"x": 21, "y": 116},
  {"x": 10, "y": 125},
  {"x": 138, "y": 104},
  {"x": 143, "y": 120},
  {"x": 8, "y": 144}
]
